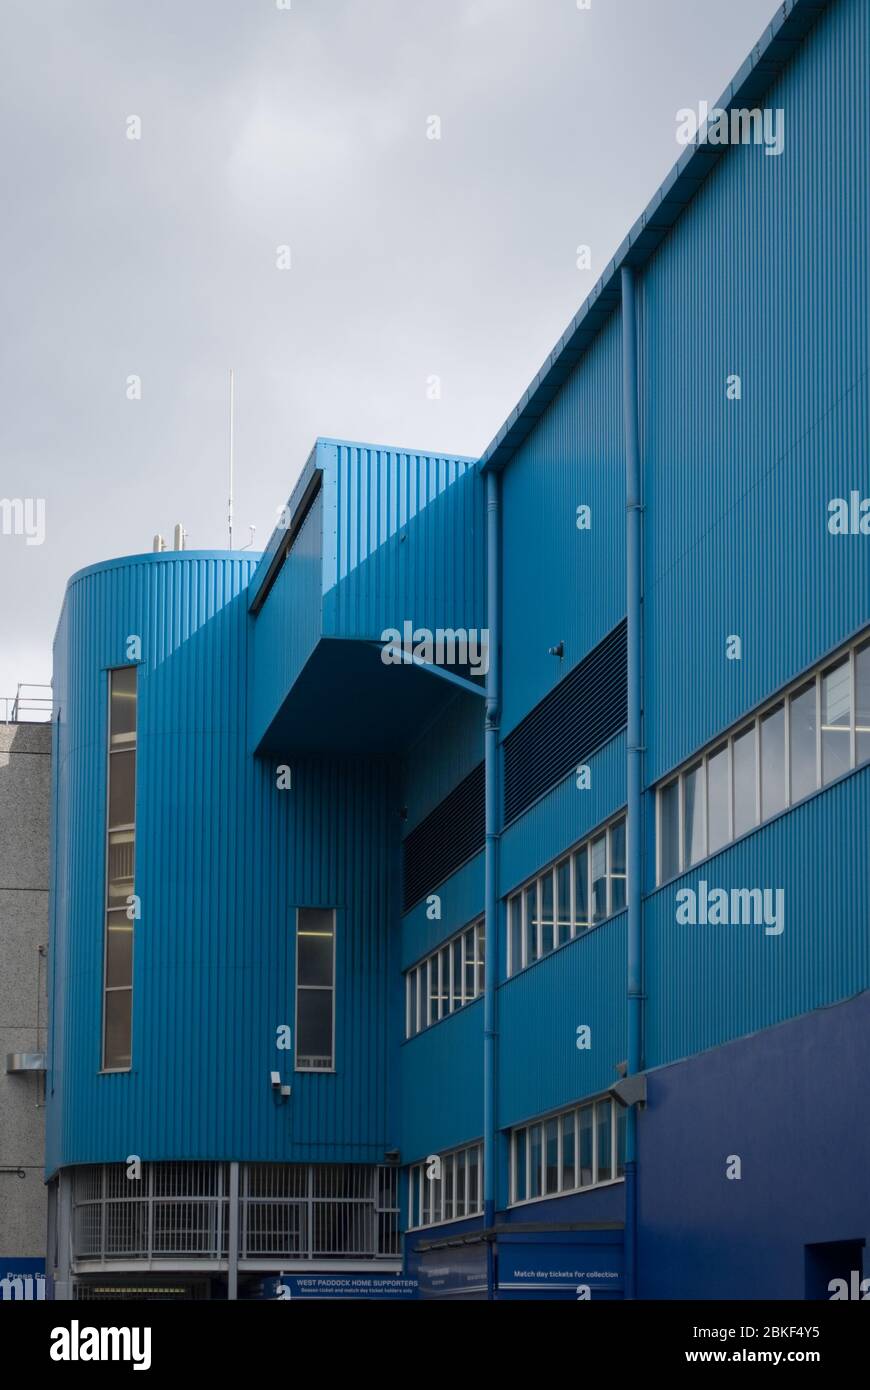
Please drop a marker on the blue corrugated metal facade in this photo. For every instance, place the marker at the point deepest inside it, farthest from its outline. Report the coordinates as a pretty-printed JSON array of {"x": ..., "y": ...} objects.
[{"x": 745, "y": 266}]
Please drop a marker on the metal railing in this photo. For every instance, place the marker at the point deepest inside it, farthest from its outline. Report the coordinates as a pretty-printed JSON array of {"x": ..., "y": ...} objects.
[
  {"x": 287, "y": 1211},
  {"x": 27, "y": 705}
]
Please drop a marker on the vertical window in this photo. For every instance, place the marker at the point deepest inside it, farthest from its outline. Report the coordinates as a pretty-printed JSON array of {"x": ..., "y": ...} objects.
[
  {"x": 120, "y": 863},
  {"x": 458, "y": 991},
  {"x": 547, "y": 915},
  {"x": 604, "y": 1139},
  {"x": 621, "y": 1114},
  {"x": 315, "y": 989},
  {"x": 520, "y": 1166},
  {"x": 586, "y": 1155},
  {"x": 515, "y": 918},
  {"x": 617, "y": 866},
  {"x": 535, "y": 1154},
  {"x": 718, "y": 799},
  {"x": 802, "y": 754},
  {"x": 773, "y": 762},
  {"x": 836, "y": 720},
  {"x": 598, "y": 876},
  {"x": 444, "y": 984},
  {"x": 694, "y": 839},
  {"x": 459, "y": 1185},
  {"x": 473, "y": 1182},
  {"x": 551, "y": 1156},
  {"x": 745, "y": 789},
  {"x": 669, "y": 830},
  {"x": 470, "y": 963},
  {"x": 480, "y": 932},
  {"x": 531, "y": 905},
  {"x": 581, "y": 888},
  {"x": 862, "y": 703},
  {"x": 569, "y": 1176},
  {"x": 563, "y": 902}
]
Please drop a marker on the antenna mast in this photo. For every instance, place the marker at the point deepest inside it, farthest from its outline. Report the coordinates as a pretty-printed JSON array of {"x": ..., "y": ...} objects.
[{"x": 230, "y": 511}]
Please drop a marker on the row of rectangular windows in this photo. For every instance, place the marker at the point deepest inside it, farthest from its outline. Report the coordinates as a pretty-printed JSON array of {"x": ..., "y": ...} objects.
[
  {"x": 813, "y": 734},
  {"x": 575, "y": 894},
  {"x": 446, "y": 1187},
  {"x": 445, "y": 981},
  {"x": 576, "y": 1149},
  {"x": 579, "y": 1148}
]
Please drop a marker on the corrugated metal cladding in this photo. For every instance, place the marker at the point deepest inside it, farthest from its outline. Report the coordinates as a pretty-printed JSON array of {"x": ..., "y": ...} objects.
[
  {"x": 404, "y": 538},
  {"x": 580, "y": 715},
  {"x": 445, "y": 753},
  {"x": 707, "y": 984},
  {"x": 223, "y": 857},
  {"x": 560, "y": 583},
  {"x": 563, "y": 816},
  {"x": 451, "y": 834},
  {"x": 461, "y": 903},
  {"x": 289, "y": 625},
  {"x": 539, "y": 1012},
  {"x": 442, "y": 1085},
  {"x": 764, "y": 276}
]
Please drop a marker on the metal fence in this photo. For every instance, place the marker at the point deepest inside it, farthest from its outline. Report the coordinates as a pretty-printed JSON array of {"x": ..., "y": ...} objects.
[
  {"x": 31, "y": 704},
  {"x": 316, "y": 1211},
  {"x": 287, "y": 1211}
]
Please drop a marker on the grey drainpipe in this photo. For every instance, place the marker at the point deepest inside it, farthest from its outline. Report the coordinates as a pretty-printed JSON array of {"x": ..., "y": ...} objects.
[
  {"x": 633, "y": 537},
  {"x": 491, "y": 859}
]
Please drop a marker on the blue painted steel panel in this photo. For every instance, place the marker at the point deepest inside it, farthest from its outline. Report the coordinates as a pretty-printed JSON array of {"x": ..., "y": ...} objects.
[
  {"x": 222, "y": 859},
  {"x": 289, "y": 625},
  {"x": 461, "y": 904},
  {"x": 442, "y": 1085},
  {"x": 790, "y": 1103},
  {"x": 539, "y": 1012},
  {"x": 562, "y": 817},
  {"x": 444, "y": 753},
  {"x": 562, "y": 584},
  {"x": 707, "y": 984},
  {"x": 408, "y": 541},
  {"x": 765, "y": 275}
]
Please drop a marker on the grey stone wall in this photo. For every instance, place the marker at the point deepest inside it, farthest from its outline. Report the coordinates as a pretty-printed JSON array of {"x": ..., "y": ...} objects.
[{"x": 25, "y": 798}]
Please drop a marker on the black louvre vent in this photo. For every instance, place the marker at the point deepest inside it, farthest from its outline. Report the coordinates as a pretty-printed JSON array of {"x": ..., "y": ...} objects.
[
  {"x": 579, "y": 715},
  {"x": 451, "y": 834}
]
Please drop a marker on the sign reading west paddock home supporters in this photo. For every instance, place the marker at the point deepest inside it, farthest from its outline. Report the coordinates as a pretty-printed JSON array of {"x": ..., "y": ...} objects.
[{"x": 383, "y": 1286}]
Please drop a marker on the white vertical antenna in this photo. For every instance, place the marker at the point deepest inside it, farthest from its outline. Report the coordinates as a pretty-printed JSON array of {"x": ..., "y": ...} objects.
[{"x": 232, "y": 406}]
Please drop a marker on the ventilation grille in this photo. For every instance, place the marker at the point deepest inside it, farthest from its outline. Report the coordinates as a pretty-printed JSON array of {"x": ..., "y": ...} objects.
[
  {"x": 584, "y": 710},
  {"x": 449, "y": 836}
]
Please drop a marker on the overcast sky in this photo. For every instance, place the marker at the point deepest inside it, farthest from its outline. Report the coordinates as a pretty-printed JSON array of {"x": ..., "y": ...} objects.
[{"x": 303, "y": 127}]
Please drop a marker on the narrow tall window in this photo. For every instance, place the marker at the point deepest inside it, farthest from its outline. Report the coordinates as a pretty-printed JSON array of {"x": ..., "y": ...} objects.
[
  {"x": 315, "y": 989},
  {"x": 120, "y": 857}
]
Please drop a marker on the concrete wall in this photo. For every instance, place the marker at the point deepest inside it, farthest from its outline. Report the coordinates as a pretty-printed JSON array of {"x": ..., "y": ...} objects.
[{"x": 25, "y": 776}]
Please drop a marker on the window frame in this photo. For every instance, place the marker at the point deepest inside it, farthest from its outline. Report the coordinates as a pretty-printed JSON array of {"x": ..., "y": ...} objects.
[
  {"x": 419, "y": 1186},
  {"x": 131, "y": 744},
  {"x": 324, "y": 989},
  {"x": 521, "y": 1135},
  {"x": 449, "y": 995},
  {"x": 784, "y": 698},
  {"x": 535, "y": 881}
]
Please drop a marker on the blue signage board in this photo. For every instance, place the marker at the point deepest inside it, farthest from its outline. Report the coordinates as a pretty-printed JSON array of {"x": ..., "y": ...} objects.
[
  {"x": 343, "y": 1286},
  {"x": 561, "y": 1265},
  {"x": 459, "y": 1271},
  {"x": 21, "y": 1279}
]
